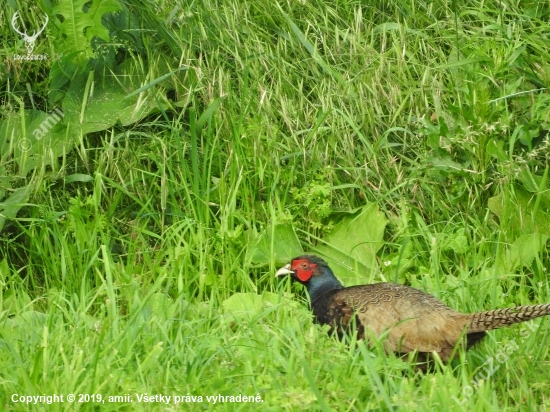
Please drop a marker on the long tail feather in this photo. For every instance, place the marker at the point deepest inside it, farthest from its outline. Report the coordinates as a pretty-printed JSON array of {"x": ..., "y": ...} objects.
[{"x": 494, "y": 319}]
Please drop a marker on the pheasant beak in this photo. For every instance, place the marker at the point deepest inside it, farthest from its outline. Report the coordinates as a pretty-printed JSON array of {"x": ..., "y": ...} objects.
[{"x": 285, "y": 270}]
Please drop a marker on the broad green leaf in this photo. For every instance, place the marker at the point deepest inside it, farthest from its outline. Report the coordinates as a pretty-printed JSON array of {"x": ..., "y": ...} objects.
[
  {"x": 106, "y": 105},
  {"x": 352, "y": 245},
  {"x": 96, "y": 12},
  {"x": 79, "y": 27},
  {"x": 495, "y": 148},
  {"x": 245, "y": 306},
  {"x": 26, "y": 327},
  {"x": 526, "y": 228},
  {"x": 457, "y": 242},
  {"x": 33, "y": 137},
  {"x": 29, "y": 138},
  {"x": 159, "y": 306},
  {"x": 445, "y": 163},
  {"x": 535, "y": 184},
  {"x": 242, "y": 305},
  {"x": 520, "y": 253},
  {"x": 16, "y": 302},
  {"x": 519, "y": 214},
  {"x": 78, "y": 177},
  {"x": 279, "y": 241},
  {"x": 14, "y": 202}
]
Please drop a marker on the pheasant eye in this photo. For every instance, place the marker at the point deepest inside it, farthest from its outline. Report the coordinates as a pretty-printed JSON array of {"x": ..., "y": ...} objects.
[{"x": 303, "y": 265}]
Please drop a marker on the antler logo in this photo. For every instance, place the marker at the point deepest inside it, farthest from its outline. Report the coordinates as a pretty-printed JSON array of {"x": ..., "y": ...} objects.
[{"x": 29, "y": 40}]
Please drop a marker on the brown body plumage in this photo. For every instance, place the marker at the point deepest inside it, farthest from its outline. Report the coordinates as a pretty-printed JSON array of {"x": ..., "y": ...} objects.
[{"x": 410, "y": 319}]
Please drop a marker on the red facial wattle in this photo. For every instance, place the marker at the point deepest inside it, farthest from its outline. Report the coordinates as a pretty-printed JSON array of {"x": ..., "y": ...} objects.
[{"x": 303, "y": 269}]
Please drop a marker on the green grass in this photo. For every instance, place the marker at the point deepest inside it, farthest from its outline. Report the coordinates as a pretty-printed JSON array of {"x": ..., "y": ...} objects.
[{"x": 117, "y": 282}]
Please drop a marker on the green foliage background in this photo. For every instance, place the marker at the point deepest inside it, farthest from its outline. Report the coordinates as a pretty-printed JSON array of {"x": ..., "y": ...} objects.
[{"x": 203, "y": 144}]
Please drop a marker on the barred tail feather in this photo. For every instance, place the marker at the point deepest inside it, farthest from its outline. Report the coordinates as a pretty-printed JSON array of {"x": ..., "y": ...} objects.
[{"x": 494, "y": 319}]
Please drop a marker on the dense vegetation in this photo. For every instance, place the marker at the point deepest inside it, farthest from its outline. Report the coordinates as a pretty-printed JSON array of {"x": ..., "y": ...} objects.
[{"x": 164, "y": 159}]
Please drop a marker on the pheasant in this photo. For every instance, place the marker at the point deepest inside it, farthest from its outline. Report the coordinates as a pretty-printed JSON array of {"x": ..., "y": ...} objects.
[{"x": 412, "y": 320}]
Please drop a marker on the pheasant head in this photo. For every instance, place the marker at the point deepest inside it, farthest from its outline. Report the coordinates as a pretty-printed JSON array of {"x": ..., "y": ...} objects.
[{"x": 312, "y": 272}]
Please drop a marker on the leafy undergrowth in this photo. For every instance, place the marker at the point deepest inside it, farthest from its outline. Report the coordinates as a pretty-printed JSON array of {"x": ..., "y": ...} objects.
[{"x": 205, "y": 144}]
